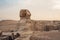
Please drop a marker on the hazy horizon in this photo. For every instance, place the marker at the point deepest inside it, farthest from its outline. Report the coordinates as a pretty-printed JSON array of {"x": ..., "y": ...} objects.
[{"x": 40, "y": 9}]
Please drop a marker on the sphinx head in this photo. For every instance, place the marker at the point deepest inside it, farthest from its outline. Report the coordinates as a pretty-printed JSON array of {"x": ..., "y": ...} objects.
[{"x": 24, "y": 13}]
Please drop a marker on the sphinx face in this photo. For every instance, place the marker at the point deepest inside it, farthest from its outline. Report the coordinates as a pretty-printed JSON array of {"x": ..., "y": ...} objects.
[{"x": 24, "y": 13}]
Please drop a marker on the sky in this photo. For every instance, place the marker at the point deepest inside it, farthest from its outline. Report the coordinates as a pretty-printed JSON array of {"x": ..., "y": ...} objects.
[{"x": 40, "y": 9}]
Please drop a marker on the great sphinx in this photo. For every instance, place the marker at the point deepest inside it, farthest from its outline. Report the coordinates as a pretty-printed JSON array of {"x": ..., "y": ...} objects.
[{"x": 26, "y": 23}]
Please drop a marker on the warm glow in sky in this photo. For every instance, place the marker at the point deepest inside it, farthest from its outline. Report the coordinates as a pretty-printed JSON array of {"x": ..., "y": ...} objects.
[{"x": 40, "y": 9}]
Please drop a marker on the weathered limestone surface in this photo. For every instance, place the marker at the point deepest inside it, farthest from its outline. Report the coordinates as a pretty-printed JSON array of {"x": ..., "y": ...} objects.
[{"x": 25, "y": 22}]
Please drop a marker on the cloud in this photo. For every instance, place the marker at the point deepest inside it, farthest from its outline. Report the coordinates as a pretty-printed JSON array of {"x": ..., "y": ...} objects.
[
  {"x": 56, "y": 4},
  {"x": 36, "y": 4},
  {"x": 7, "y": 3}
]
